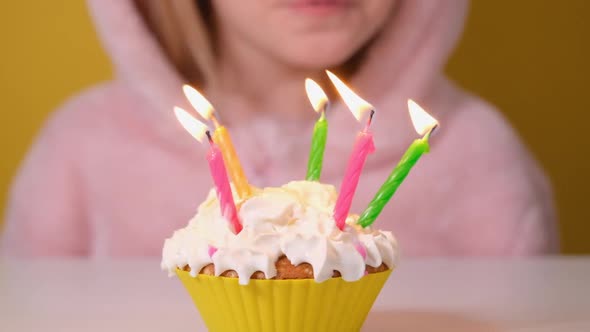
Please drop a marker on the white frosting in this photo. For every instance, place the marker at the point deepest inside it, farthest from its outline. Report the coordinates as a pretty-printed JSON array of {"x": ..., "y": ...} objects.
[{"x": 294, "y": 220}]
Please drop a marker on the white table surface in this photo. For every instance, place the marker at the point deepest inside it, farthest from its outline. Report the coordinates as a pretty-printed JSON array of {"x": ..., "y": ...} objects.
[{"x": 544, "y": 294}]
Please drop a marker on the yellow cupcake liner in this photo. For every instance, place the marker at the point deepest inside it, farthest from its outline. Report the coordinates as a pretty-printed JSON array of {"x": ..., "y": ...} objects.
[{"x": 283, "y": 305}]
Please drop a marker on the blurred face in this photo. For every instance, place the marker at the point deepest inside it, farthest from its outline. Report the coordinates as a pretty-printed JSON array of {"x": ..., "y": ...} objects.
[{"x": 310, "y": 34}]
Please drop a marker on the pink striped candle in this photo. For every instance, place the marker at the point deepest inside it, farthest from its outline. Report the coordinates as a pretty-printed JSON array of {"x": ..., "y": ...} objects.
[
  {"x": 224, "y": 193},
  {"x": 362, "y": 147},
  {"x": 218, "y": 172}
]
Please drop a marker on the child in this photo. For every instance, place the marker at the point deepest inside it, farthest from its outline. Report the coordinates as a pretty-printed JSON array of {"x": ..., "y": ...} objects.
[{"x": 113, "y": 173}]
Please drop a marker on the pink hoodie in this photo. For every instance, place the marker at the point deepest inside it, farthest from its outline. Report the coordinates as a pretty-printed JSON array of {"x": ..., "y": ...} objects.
[{"x": 113, "y": 173}]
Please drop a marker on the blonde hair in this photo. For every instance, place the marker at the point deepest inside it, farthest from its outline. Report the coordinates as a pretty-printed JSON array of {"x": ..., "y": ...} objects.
[{"x": 181, "y": 28}]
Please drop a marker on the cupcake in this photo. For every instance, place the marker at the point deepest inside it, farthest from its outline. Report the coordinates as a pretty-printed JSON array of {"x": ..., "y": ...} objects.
[{"x": 289, "y": 269}]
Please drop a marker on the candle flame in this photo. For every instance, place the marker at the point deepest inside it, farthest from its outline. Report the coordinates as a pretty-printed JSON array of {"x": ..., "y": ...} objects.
[
  {"x": 198, "y": 102},
  {"x": 195, "y": 127},
  {"x": 422, "y": 121},
  {"x": 316, "y": 95},
  {"x": 357, "y": 105}
]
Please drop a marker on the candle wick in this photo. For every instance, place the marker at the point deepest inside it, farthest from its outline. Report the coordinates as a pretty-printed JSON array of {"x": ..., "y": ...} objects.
[
  {"x": 209, "y": 137},
  {"x": 435, "y": 128},
  {"x": 370, "y": 120},
  {"x": 431, "y": 131}
]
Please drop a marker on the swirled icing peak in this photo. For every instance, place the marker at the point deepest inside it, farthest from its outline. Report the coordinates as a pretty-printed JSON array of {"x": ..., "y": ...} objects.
[{"x": 294, "y": 220}]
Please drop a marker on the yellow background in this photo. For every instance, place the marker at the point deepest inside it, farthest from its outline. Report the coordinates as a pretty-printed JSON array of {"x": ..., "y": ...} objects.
[{"x": 529, "y": 57}]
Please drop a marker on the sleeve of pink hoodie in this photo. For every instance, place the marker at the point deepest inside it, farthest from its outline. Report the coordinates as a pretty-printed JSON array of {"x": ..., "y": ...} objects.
[
  {"x": 45, "y": 213},
  {"x": 503, "y": 203}
]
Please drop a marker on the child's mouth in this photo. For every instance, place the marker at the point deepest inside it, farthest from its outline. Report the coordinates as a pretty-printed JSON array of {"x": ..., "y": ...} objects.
[{"x": 319, "y": 7}]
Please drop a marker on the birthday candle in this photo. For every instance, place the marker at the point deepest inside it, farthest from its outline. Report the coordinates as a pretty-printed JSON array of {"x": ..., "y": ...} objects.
[
  {"x": 362, "y": 147},
  {"x": 216, "y": 166},
  {"x": 319, "y": 101},
  {"x": 224, "y": 193},
  {"x": 222, "y": 139},
  {"x": 424, "y": 125}
]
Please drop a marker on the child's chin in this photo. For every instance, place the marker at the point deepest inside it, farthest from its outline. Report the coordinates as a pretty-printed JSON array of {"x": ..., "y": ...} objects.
[{"x": 317, "y": 61}]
